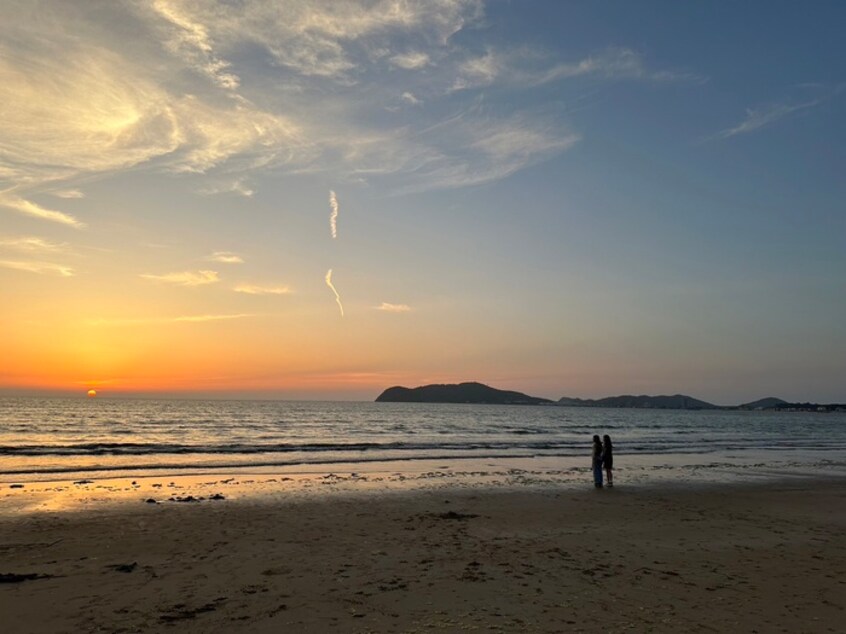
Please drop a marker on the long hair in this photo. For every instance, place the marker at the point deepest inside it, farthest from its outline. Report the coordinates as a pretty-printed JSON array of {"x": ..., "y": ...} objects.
[{"x": 606, "y": 442}]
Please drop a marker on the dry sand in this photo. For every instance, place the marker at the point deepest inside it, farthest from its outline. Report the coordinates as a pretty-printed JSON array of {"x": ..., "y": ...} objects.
[{"x": 764, "y": 558}]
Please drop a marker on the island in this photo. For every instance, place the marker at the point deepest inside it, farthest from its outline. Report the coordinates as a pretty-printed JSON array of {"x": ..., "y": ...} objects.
[
  {"x": 770, "y": 402},
  {"x": 472, "y": 392},
  {"x": 677, "y": 401},
  {"x": 480, "y": 394}
]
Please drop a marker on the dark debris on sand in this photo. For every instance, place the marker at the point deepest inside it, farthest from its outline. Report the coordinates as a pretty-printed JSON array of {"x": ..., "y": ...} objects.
[
  {"x": 452, "y": 515},
  {"x": 181, "y": 612},
  {"x": 123, "y": 567},
  {"x": 12, "y": 577}
]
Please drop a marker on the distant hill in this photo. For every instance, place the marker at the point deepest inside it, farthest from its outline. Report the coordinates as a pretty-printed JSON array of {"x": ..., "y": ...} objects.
[
  {"x": 764, "y": 403},
  {"x": 677, "y": 401},
  {"x": 810, "y": 407},
  {"x": 460, "y": 393}
]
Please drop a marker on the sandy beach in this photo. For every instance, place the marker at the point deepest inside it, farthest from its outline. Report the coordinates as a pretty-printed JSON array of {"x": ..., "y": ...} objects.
[{"x": 744, "y": 558}]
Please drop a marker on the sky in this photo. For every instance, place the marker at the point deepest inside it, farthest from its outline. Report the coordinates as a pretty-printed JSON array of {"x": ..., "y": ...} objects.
[{"x": 321, "y": 199}]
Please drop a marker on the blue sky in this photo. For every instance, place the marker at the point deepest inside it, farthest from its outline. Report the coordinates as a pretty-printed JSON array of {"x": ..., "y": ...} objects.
[{"x": 565, "y": 198}]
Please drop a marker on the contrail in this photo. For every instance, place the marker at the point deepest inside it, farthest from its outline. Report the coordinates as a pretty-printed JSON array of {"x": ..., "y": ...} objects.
[
  {"x": 337, "y": 297},
  {"x": 333, "y": 217}
]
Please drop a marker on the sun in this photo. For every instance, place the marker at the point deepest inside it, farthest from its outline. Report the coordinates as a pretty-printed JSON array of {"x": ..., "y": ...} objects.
[{"x": 92, "y": 393}]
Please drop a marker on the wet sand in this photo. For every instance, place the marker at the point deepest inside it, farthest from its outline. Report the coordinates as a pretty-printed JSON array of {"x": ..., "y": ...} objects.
[{"x": 742, "y": 558}]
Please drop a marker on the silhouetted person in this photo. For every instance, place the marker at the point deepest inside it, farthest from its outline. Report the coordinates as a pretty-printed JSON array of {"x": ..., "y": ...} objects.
[
  {"x": 597, "y": 462},
  {"x": 608, "y": 458}
]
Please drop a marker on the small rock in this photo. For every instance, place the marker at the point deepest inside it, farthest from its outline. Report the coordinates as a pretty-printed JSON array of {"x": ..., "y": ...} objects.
[
  {"x": 452, "y": 515},
  {"x": 12, "y": 577},
  {"x": 151, "y": 501},
  {"x": 187, "y": 498},
  {"x": 16, "y": 486},
  {"x": 124, "y": 567}
]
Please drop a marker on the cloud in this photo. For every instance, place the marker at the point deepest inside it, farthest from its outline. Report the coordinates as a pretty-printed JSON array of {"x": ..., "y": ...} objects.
[
  {"x": 411, "y": 60},
  {"x": 75, "y": 100},
  {"x": 225, "y": 257},
  {"x": 479, "y": 71},
  {"x": 614, "y": 63},
  {"x": 185, "y": 278},
  {"x": 527, "y": 68},
  {"x": 37, "y": 211},
  {"x": 193, "y": 319},
  {"x": 237, "y": 186},
  {"x": 757, "y": 118},
  {"x": 393, "y": 308},
  {"x": 252, "y": 289},
  {"x": 333, "y": 214},
  {"x": 337, "y": 297},
  {"x": 491, "y": 148},
  {"x": 68, "y": 193},
  {"x": 45, "y": 268},
  {"x": 189, "y": 95},
  {"x": 33, "y": 244},
  {"x": 409, "y": 97},
  {"x": 191, "y": 40},
  {"x": 327, "y": 39}
]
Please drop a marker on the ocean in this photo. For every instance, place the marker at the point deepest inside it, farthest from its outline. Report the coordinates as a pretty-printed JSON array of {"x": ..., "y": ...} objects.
[{"x": 49, "y": 438}]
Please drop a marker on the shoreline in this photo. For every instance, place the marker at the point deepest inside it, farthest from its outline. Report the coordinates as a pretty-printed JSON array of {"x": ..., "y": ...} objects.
[
  {"x": 83, "y": 489},
  {"x": 736, "y": 557}
]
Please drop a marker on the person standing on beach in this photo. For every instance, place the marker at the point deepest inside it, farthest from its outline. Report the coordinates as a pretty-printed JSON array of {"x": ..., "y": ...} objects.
[
  {"x": 597, "y": 462},
  {"x": 608, "y": 458}
]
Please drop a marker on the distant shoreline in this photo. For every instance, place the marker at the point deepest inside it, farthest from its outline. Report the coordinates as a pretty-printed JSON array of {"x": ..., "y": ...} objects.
[{"x": 476, "y": 393}]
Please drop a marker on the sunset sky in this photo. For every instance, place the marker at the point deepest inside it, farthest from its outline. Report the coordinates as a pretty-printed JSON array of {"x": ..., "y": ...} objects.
[{"x": 563, "y": 198}]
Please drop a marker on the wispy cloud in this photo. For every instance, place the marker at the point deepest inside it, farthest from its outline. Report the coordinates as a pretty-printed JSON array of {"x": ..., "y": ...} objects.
[
  {"x": 479, "y": 71},
  {"x": 68, "y": 193},
  {"x": 411, "y": 61},
  {"x": 393, "y": 308},
  {"x": 42, "y": 268},
  {"x": 225, "y": 257},
  {"x": 315, "y": 39},
  {"x": 528, "y": 68},
  {"x": 185, "y": 278},
  {"x": 234, "y": 186},
  {"x": 254, "y": 289},
  {"x": 33, "y": 244},
  {"x": 333, "y": 214},
  {"x": 491, "y": 149},
  {"x": 37, "y": 211},
  {"x": 757, "y": 118},
  {"x": 614, "y": 63},
  {"x": 191, "y": 39},
  {"x": 337, "y": 297},
  {"x": 121, "y": 107},
  {"x": 173, "y": 98},
  {"x": 409, "y": 97},
  {"x": 140, "y": 321},
  {"x": 118, "y": 109}
]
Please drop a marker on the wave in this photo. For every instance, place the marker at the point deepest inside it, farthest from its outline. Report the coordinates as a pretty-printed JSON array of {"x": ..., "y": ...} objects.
[
  {"x": 139, "y": 449},
  {"x": 565, "y": 447},
  {"x": 211, "y": 467},
  {"x": 170, "y": 467}
]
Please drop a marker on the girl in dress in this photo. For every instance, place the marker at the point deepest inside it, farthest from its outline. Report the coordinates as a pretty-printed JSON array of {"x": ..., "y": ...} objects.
[
  {"x": 597, "y": 462},
  {"x": 608, "y": 458}
]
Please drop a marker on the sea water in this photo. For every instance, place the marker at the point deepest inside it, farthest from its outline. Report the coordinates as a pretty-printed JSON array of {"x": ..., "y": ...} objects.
[{"x": 42, "y": 438}]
